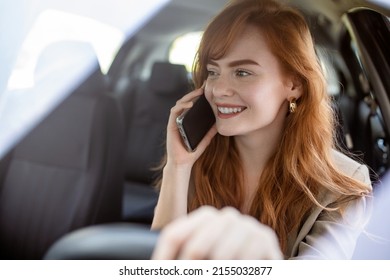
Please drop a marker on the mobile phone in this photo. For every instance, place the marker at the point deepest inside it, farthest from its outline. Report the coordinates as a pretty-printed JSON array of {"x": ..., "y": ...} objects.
[{"x": 195, "y": 122}]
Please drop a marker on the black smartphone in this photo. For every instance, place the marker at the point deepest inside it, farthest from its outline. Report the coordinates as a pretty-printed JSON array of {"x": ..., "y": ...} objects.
[{"x": 195, "y": 122}]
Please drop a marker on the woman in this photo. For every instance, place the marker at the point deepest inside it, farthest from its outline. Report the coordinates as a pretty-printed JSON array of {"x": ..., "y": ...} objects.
[{"x": 266, "y": 181}]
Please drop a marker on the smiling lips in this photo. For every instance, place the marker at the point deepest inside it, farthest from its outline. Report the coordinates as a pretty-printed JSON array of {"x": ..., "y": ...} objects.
[{"x": 225, "y": 112}]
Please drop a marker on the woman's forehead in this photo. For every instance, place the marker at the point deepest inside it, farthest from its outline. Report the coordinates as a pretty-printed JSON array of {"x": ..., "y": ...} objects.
[{"x": 250, "y": 44}]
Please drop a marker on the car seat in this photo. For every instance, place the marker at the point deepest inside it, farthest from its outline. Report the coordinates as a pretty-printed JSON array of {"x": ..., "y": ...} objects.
[
  {"x": 149, "y": 113},
  {"x": 67, "y": 172}
]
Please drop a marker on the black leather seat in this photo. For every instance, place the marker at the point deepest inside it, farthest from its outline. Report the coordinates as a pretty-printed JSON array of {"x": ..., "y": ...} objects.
[
  {"x": 149, "y": 115},
  {"x": 65, "y": 174}
]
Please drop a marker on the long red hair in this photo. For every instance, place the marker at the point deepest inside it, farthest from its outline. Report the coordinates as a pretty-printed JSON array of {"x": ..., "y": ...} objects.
[{"x": 302, "y": 166}]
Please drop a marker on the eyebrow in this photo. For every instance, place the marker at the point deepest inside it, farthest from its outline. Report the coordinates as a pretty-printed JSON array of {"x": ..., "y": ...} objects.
[{"x": 236, "y": 62}]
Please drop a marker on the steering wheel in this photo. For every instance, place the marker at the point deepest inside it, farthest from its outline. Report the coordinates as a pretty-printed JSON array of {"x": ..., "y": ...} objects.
[{"x": 119, "y": 241}]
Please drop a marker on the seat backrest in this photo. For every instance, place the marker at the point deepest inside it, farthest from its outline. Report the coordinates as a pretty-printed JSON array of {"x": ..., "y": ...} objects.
[
  {"x": 65, "y": 174},
  {"x": 149, "y": 111},
  {"x": 149, "y": 117}
]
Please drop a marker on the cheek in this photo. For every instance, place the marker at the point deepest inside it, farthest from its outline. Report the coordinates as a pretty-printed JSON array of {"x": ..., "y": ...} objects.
[
  {"x": 267, "y": 103},
  {"x": 266, "y": 96},
  {"x": 207, "y": 93}
]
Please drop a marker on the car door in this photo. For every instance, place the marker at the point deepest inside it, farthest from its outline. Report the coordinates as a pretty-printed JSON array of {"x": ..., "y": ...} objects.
[{"x": 364, "y": 46}]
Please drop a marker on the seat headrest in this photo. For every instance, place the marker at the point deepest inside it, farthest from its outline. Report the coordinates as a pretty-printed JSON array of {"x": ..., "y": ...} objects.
[{"x": 168, "y": 78}]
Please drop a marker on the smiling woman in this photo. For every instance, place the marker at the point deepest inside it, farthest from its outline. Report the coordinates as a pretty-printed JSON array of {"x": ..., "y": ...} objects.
[
  {"x": 249, "y": 80},
  {"x": 226, "y": 195},
  {"x": 268, "y": 171}
]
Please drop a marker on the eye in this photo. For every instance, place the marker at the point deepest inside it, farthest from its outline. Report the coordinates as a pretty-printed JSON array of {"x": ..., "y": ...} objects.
[
  {"x": 242, "y": 73},
  {"x": 211, "y": 73}
]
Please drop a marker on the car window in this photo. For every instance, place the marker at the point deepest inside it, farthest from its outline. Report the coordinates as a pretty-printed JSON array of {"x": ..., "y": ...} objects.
[
  {"x": 183, "y": 49},
  {"x": 54, "y": 26},
  {"x": 52, "y": 22},
  {"x": 326, "y": 58},
  {"x": 384, "y": 3},
  {"x": 366, "y": 51}
]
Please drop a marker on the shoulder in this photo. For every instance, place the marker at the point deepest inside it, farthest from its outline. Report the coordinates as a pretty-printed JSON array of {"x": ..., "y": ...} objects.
[
  {"x": 351, "y": 167},
  {"x": 320, "y": 236}
]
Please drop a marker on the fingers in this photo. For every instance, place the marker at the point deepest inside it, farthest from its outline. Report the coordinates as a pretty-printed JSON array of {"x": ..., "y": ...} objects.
[
  {"x": 177, "y": 151},
  {"x": 190, "y": 96},
  {"x": 230, "y": 246},
  {"x": 208, "y": 233},
  {"x": 175, "y": 235},
  {"x": 206, "y": 140},
  {"x": 261, "y": 244},
  {"x": 186, "y": 102}
]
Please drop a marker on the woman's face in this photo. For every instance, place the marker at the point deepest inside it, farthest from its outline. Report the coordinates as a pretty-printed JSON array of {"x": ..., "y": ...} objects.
[{"x": 247, "y": 89}]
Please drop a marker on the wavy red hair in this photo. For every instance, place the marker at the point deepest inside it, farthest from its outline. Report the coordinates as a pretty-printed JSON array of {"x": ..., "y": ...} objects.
[{"x": 302, "y": 166}]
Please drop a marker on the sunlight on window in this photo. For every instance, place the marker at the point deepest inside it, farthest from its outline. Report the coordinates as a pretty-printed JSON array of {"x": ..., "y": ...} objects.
[
  {"x": 385, "y": 3},
  {"x": 326, "y": 58},
  {"x": 184, "y": 48},
  {"x": 53, "y": 26}
]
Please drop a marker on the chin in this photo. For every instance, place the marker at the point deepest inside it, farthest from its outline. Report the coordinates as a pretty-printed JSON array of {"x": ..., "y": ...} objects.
[{"x": 226, "y": 131}]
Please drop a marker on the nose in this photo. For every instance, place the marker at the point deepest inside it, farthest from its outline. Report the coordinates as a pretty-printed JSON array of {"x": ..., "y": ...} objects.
[{"x": 220, "y": 87}]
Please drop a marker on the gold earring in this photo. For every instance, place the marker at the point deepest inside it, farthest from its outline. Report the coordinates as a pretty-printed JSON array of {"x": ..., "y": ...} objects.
[{"x": 292, "y": 105}]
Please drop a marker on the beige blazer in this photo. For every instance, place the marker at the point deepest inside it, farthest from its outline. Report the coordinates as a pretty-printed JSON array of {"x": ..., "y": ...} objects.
[{"x": 332, "y": 236}]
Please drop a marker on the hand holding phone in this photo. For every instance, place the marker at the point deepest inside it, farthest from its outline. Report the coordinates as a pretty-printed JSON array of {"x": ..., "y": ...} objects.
[{"x": 195, "y": 122}]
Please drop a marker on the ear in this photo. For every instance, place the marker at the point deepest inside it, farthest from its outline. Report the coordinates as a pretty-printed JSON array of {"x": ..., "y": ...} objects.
[{"x": 294, "y": 88}]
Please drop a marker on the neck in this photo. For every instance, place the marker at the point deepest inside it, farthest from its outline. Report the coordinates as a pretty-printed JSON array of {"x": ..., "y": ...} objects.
[
  {"x": 254, "y": 159},
  {"x": 255, "y": 150}
]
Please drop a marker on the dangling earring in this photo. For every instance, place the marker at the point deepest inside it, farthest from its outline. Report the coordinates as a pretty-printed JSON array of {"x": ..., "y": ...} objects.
[{"x": 292, "y": 105}]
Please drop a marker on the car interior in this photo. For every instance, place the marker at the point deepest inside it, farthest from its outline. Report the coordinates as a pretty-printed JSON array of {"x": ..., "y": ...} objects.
[
  {"x": 80, "y": 185},
  {"x": 65, "y": 174}
]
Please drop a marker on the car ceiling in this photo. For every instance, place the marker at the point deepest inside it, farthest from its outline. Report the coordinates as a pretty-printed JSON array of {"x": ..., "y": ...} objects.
[{"x": 181, "y": 16}]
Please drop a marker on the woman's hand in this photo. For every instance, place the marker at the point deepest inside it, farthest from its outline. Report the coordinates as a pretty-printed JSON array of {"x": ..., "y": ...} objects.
[
  {"x": 208, "y": 233},
  {"x": 176, "y": 151},
  {"x": 172, "y": 202}
]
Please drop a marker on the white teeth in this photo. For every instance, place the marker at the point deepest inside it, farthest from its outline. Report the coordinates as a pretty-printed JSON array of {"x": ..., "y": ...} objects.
[{"x": 229, "y": 110}]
